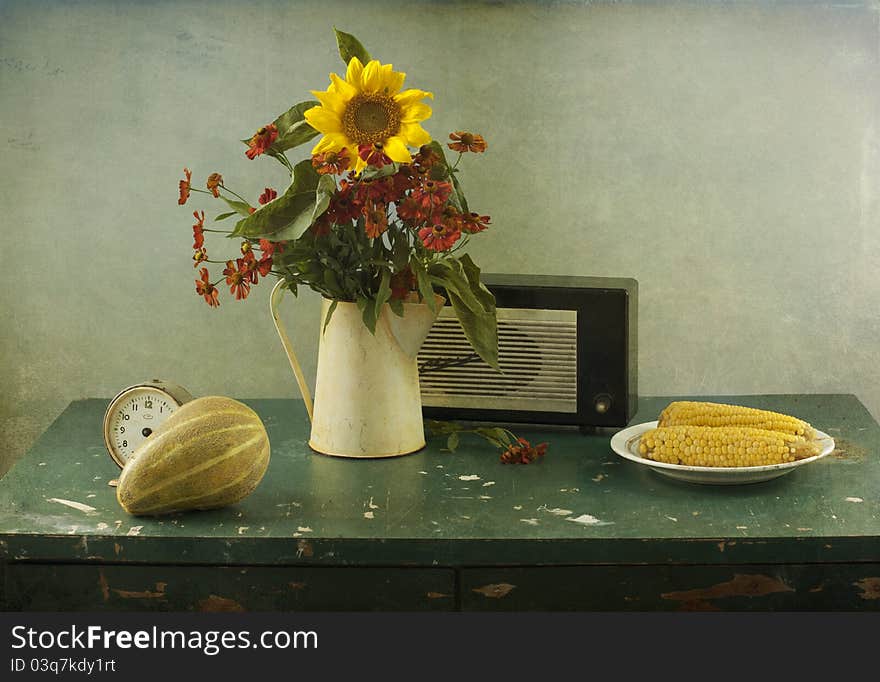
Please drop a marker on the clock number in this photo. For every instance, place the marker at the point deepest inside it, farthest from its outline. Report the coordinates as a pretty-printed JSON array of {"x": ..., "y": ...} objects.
[
  {"x": 125, "y": 443},
  {"x": 148, "y": 404},
  {"x": 121, "y": 429},
  {"x": 126, "y": 417},
  {"x": 161, "y": 407},
  {"x": 134, "y": 407}
]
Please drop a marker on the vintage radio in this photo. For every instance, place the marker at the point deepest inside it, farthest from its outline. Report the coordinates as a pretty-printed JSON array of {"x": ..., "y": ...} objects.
[{"x": 567, "y": 350}]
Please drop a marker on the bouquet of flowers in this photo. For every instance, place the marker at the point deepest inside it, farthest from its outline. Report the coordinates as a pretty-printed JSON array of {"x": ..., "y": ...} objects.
[{"x": 375, "y": 214}]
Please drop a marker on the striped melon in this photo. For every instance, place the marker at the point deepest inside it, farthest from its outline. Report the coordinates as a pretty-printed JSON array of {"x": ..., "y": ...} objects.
[{"x": 212, "y": 452}]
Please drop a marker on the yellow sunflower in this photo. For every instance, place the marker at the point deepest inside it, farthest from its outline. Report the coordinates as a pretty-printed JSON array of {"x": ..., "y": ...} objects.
[{"x": 368, "y": 107}]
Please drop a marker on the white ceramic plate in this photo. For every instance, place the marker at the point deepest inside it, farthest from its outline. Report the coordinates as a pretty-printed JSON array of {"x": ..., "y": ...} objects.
[{"x": 626, "y": 444}]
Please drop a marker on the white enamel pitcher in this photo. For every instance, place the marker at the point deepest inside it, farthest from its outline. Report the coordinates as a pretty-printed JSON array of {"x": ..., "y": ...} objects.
[{"x": 367, "y": 399}]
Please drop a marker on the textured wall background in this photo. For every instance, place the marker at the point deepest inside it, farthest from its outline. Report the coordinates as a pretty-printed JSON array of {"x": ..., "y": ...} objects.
[{"x": 727, "y": 155}]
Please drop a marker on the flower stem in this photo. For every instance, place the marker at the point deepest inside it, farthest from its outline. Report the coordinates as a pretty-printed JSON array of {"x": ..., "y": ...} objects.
[{"x": 235, "y": 194}]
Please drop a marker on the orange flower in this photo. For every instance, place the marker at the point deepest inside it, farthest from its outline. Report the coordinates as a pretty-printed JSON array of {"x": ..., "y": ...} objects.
[
  {"x": 198, "y": 230},
  {"x": 199, "y": 256},
  {"x": 375, "y": 218},
  {"x": 522, "y": 452},
  {"x": 332, "y": 163},
  {"x": 267, "y": 196},
  {"x": 248, "y": 267},
  {"x": 237, "y": 279},
  {"x": 439, "y": 237},
  {"x": 466, "y": 142},
  {"x": 426, "y": 158},
  {"x": 208, "y": 290},
  {"x": 409, "y": 210},
  {"x": 473, "y": 222},
  {"x": 432, "y": 193},
  {"x": 373, "y": 154},
  {"x": 215, "y": 181},
  {"x": 184, "y": 187},
  {"x": 246, "y": 247},
  {"x": 261, "y": 141},
  {"x": 268, "y": 248}
]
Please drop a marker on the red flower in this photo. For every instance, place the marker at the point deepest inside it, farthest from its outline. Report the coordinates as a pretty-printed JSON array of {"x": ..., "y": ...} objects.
[
  {"x": 321, "y": 227},
  {"x": 403, "y": 181},
  {"x": 246, "y": 247},
  {"x": 375, "y": 189},
  {"x": 215, "y": 181},
  {"x": 198, "y": 230},
  {"x": 208, "y": 290},
  {"x": 402, "y": 283},
  {"x": 248, "y": 267},
  {"x": 426, "y": 158},
  {"x": 199, "y": 256},
  {"x": 375, "y": 218},
  {"x": 522, "y": 452},
  {"x": 261, "y": 141},
  {"x": 344, "y": 206},
  {"x": 466, "y": 142},
  {"x": 432, "y": 193},
  {"x": 373, "y": 154},
  {"x": 439, "y": 237},
  {"x": 237, "y": 277},
  {"x": 409, "y": 210},
  {"x": 264, "y": 265},
  {"x": 184, "y": 187},
  {"x": 332, "y": 163},
  {"x": 267, "y": 196},
  {"x": 449, "y": 216},
  {"x": 268, "y": 248},
  {"x": 473, "y": 222}
]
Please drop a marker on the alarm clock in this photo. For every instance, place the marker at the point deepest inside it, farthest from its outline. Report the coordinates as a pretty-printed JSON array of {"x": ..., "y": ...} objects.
[{"x": 136, "y": 412}]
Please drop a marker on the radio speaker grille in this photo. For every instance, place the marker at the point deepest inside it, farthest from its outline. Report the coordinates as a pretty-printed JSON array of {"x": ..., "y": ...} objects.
[{"x": 537, "y": 352}]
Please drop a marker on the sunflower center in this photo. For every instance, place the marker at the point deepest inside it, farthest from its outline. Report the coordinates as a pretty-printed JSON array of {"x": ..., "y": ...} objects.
[{"x": 371, "y": 117}]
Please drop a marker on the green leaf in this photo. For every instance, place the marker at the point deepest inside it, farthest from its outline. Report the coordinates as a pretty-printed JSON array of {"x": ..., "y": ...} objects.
[
  {"x": 473, "y": 303},
  {"x": 330, "y": 312},
  {"x": 480, "y": 328},
  {"x": 324, "y": 192},
  {"x": 424, "y": 282},
  {"x": 396, "y": 306},
  {"x": 462, "y": 202},
  {"x": 240, "y": 207},
  {"x": 452, "y": 441},
  {"x": 367, "y": 309},
  {"x": 293, "y": 129},
  {"x": 383, "y": 294},
  {"x": 288, "y": 216},
  {"x": 400, "y": 251},
  {"x": 349, "y": 47},
  {"x": 224, "y": 216}
]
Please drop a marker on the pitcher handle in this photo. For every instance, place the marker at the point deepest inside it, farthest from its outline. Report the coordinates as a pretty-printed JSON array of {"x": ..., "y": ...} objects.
[{"x": 274, "y": 300}]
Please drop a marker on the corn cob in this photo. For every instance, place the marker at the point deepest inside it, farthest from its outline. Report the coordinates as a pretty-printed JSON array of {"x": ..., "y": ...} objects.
[
  {"x": 719, "y": 414},
  {"x": 723, "y": 446}
]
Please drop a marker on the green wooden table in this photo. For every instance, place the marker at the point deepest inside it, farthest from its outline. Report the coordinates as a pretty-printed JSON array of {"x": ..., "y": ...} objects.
[{"x": 582, "y": 530}]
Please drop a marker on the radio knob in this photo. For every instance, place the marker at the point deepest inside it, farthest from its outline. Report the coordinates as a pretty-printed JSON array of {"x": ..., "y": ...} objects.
[{"x": 602, "y": 403}]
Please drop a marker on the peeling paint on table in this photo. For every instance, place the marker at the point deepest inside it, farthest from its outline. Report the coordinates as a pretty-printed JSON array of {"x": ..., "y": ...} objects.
[{"x": 411, "y": 512}]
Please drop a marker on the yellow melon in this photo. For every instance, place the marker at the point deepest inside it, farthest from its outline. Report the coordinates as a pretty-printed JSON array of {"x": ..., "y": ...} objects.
[{"x": 212, "y": 452}]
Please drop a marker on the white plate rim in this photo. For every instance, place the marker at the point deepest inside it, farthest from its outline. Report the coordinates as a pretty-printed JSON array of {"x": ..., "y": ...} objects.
[{"x": 623, "y": 440}]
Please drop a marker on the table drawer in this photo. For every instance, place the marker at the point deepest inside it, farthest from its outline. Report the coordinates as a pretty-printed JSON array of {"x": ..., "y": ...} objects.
[
  {"x": 114, "y": 587},
  {"x": 771, "y": 587}
]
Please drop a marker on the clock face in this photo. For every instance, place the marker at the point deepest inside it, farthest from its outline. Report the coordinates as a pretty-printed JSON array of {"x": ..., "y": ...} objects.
[{"x": 132, "y": 418}]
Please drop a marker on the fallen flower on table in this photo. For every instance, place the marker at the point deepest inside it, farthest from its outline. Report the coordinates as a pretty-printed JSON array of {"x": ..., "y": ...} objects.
[{"x": 514, "y": 449}]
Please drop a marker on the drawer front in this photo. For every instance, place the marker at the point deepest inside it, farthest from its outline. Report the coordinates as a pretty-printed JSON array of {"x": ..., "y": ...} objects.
[
  {"x": 92, "y": 587},
  {"x": 790, "y": 587}
]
